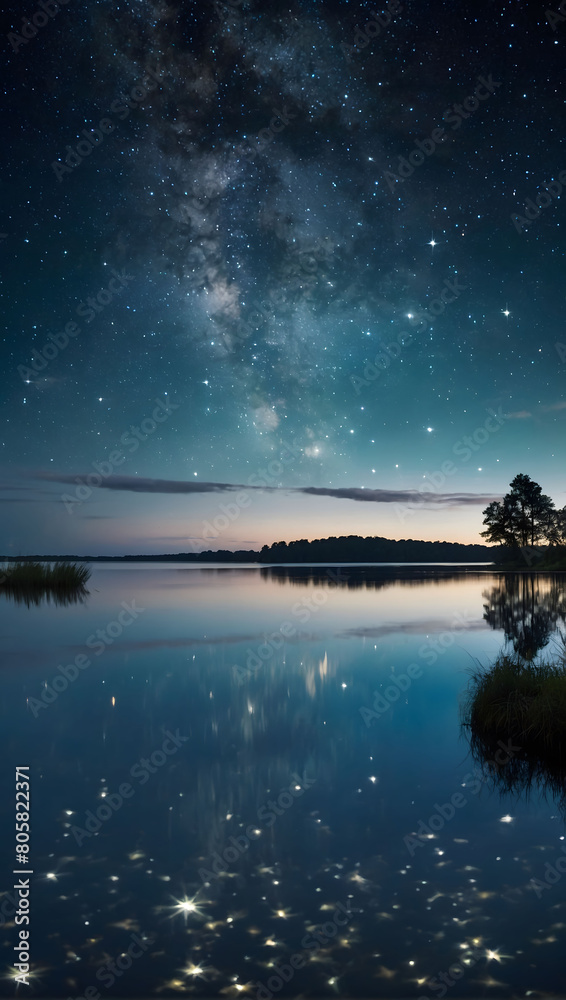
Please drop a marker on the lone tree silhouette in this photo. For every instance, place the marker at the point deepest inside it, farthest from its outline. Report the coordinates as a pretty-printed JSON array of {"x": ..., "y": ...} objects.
[{"x": 525, "y": 516}]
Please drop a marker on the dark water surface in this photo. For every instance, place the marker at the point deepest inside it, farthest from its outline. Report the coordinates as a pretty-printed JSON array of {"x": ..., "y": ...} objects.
[{"x": 215, "y": 782}]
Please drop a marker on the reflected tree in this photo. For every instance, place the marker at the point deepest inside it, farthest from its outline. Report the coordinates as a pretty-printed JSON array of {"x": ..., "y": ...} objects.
[{"x": 527, "y": 610}]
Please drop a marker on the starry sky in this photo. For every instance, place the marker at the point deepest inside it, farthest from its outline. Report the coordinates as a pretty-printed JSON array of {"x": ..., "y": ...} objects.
[{"x": 278, "y": 271}]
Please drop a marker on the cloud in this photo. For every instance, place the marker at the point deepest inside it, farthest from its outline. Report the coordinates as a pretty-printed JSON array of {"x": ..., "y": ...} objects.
[
  {"x": 416, "y": 627},
  {"x": 139, "y": 484},
  {"x": 519, "y": 415},
  {"x": 555, "y": 406},
  {"x": 400, "y": 496}
]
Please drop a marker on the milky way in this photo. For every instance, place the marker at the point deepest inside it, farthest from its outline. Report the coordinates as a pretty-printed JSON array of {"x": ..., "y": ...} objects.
[{"x": 333, "y": 231}]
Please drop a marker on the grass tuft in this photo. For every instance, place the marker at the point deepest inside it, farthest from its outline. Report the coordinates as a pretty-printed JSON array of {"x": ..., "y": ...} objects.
[
  {"x": 525, "y": 698},
  {"x": 62, "y": 578},
  {"x": 522, "y": 702}
]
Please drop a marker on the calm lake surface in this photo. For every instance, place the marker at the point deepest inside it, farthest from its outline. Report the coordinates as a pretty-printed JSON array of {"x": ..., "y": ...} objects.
[{"x": 267, "y": 795}]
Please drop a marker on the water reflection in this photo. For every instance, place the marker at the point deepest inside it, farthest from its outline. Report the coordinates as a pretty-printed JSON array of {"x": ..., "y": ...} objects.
[
  {"x": 37, "y": 596},
  {"x": 370, "y": 577},
  {"x": 505, "y": 704},
  {"x": 528, "y": 608},
  {"x": 251, "y": 741},
  {"x": 524, "y": 772}
]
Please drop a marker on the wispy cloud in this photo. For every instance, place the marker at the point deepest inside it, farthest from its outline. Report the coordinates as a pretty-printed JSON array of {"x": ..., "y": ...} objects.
[
  {"x": 555, "y": 406},
  {"x": 416, "y": 627},
  {"x": 400, "y": 496},
  {"x": 140, "y": 484}
]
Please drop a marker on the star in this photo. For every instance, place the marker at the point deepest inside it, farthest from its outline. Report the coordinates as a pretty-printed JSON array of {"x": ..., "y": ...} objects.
[{"x": 198, "y": 971}]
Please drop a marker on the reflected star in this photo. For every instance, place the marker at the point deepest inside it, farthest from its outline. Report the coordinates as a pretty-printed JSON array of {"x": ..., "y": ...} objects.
[
  {"x": 236, "y": 989},
  {"x": 197, "y": 971},
  {"x": 33, "y": 976},
  {"x": 187, "y": 907},
  {"x": 494, "y": 956}
]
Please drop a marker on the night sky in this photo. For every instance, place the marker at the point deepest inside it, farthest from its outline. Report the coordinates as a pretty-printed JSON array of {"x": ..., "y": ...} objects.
[{"x": 274, "y": 197}]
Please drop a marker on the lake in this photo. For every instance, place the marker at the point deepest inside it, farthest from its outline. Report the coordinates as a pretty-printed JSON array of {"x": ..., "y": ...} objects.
[{"x": 255, "y": 780}]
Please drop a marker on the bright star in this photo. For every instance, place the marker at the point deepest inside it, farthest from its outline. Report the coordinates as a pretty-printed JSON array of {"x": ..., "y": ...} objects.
[
  {"x": 198, "y": 971},
  {"x": 492, "y": 956},
  {"x": 186, "y": 907}
]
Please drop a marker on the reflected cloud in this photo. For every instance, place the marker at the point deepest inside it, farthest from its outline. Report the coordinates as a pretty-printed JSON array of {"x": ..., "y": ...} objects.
[{"x": 417, "y": 627}]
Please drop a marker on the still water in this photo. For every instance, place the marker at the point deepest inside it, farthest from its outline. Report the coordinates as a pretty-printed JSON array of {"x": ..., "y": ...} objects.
[{"x": 240, "y": 772}]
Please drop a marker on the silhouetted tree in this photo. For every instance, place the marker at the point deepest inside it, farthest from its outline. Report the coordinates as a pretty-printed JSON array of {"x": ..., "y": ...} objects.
[
  {"x": 560, "y": 526},
  {"x": 525, "y": 516}
]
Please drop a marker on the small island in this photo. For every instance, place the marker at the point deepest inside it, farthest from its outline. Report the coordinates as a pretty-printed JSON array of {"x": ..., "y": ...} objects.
[
  {"x": 28, "y": 581},
  {"x": 520, "y": 700}
]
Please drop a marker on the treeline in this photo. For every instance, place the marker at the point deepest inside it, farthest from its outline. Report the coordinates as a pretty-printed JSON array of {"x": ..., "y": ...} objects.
[
  {"x": 344, "y": 549},
  {"x": 355, "y": 549},
  {"x": 221, "y": 555}
]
